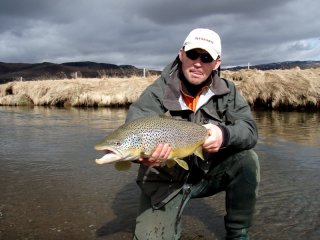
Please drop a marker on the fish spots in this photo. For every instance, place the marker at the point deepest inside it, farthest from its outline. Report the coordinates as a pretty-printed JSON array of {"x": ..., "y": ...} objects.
[{"x": 143, "y": 135}]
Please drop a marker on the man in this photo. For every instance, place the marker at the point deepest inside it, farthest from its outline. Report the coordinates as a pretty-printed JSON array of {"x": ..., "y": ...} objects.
[{"x": 191, "y": 89}]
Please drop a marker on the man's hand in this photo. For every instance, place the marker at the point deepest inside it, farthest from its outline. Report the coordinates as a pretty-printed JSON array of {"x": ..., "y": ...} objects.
[
  {"x": 215, "y": 139},
  {"x": 160, "y": 154}
]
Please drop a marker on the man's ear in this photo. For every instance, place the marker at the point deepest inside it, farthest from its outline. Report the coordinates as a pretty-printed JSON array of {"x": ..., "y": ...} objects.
[
  {"x": 180, "y": 54},
  {"x": 216, "y": 63}
]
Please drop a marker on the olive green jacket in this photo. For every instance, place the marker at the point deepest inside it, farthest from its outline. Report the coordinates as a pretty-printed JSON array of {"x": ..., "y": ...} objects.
[{"x": 220, "y": 104}]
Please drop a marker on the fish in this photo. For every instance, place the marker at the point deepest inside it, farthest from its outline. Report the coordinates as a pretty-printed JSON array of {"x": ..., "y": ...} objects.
[{"x": 140, "y": 137}]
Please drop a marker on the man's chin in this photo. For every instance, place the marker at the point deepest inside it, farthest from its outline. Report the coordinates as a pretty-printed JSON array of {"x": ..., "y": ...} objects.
[{"x": 196, "y": 80}]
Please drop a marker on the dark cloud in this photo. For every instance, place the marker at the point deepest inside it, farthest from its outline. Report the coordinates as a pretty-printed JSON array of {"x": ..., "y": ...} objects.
[
  {"x": 180, "y": 11},
  {"x": 149, "y": 33},
  {"x": 55, "y": 11}
]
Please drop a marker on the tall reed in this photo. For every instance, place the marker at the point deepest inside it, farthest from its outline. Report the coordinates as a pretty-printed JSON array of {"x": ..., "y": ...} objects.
[{"x": 274, "y": 89}]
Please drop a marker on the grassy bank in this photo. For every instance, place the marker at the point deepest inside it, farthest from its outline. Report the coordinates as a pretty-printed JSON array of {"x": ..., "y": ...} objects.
[
  {"x": 274, "y": 89},
  {"x": 82, "y": 92},
  {"x": 279, "y": 89}
]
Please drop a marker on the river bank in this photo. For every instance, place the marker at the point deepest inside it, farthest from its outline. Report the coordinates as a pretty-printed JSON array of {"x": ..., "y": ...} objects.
[{"x": 292, "y": 89}]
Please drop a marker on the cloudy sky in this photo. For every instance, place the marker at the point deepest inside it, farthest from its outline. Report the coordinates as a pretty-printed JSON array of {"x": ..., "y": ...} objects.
[{"x": 148, "y": 33}]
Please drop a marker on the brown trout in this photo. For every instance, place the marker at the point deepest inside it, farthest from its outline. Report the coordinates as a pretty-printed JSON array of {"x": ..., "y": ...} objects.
[{"x": 140, "y": 137}]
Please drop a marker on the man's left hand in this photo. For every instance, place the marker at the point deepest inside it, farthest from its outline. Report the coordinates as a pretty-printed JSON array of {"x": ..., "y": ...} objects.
[{"x": 215, "y": 139}]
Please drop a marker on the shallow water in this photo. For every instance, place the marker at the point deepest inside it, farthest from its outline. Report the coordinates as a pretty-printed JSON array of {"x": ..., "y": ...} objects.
[{"x": 50, "y": 187}]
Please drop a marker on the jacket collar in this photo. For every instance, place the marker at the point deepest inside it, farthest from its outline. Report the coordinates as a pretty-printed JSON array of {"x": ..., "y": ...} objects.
[{"x": 172, "y": 96}]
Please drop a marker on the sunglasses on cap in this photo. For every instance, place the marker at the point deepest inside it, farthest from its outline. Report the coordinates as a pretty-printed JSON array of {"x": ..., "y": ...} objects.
[{"x": 194, "y": 54}]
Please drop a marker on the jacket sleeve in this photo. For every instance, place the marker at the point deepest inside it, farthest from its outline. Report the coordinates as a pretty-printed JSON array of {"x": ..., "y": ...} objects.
[
  {"x": 241, "y": 127},
  {"x": 149, "y": 103}
]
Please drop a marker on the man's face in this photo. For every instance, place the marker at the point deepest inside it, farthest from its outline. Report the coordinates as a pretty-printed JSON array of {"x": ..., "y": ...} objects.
[{"x": 197, "y": 71}]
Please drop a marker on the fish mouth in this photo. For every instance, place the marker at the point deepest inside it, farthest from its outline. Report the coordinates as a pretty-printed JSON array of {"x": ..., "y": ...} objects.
[{"x": 111, "y": 155}]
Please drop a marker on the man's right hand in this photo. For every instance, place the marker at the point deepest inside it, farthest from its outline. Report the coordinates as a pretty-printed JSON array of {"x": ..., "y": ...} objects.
[{"x": 160, "y": 154}]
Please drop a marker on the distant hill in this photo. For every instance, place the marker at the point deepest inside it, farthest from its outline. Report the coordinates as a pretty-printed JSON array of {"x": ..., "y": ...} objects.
[
  {"x": 280, "y": 65},
  {"x": 46, "y": 70}
]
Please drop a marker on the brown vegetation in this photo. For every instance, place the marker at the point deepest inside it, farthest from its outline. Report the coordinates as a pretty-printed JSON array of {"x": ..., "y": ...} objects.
[
  {"x": 74, "y": 92},
  {"x": 279, "y": 89},
  {"x": 274, "y": 89}
]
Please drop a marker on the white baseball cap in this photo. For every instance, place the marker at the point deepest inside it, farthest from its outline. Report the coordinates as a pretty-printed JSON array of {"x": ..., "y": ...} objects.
[{"x": 205, "y": 39}]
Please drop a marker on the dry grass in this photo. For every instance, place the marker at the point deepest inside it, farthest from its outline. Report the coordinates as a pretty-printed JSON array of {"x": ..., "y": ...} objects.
[
  {"x": 77, "y": 92},
  {"x": 279, "y": 89},
  {"x": 275, "y": 89}
]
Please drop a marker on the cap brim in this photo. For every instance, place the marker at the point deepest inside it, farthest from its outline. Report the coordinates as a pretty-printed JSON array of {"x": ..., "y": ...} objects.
[{"x": 213, "y": 53}]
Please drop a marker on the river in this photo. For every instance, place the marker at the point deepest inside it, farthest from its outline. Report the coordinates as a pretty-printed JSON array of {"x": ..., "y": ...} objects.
[{"x": 51, "y": 188}]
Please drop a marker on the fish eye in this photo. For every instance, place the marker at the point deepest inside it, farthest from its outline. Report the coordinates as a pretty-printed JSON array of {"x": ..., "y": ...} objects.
[{"x": 115, "y": 143}]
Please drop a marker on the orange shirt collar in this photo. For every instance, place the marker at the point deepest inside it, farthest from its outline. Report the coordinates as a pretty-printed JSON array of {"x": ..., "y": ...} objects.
[{"x": 191, "y": 101}]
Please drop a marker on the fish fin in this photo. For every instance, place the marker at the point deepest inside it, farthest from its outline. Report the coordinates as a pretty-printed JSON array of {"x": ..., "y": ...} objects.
[
  {"x": 182, "y": 163},
  {"x": 170, "y": 163},
  {"x": 165, "y": 116},
  {"x": 199, "y": 152},
  {"x": 144, "y": 155},
  {"x": 171, "y": 117},
  {"x": 122, "y": 166}
]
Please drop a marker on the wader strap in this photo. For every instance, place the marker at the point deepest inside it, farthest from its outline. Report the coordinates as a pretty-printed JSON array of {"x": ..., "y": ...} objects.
[{"x": 186, "y": 195}]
